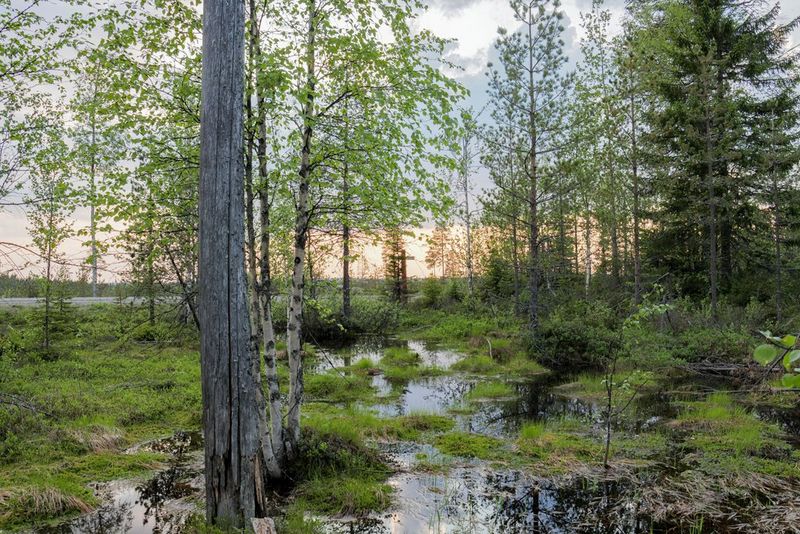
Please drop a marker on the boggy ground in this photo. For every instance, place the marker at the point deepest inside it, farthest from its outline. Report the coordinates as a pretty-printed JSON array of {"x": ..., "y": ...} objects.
[{"x": 446, "y": 427}]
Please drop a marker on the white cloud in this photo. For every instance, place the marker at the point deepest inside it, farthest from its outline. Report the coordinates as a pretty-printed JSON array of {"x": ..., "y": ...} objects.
[{"x": 473, "y": 26}]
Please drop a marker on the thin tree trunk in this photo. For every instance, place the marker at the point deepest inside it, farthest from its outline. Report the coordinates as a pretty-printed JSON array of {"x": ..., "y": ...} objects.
[
  {"x": 48, "y": 291},
  {"x": 614, "y": 231},
  {"x": 514, "y": 230},
  {"x": 276, "y": 441},
  {"x": 93, "y": 195},
  {"x": 467, "y": 215},
  {"x": 346, "y": 224},
  {"x": 712, "y": 206},
  {"x": 776, "y": 234},
  {"x": 587, "y": 253},
  {"x": 346, "y": 270},
  {"x": 533, "y": 223},
  {"x": 575, "y": 240},
  {"x": 295, "y": 307},
  {"x": 562, "y": 236},
  {"x": 637, "y": 259},
  {"x": 230, "y": 411},
  {"x": 270, "y": 462}
]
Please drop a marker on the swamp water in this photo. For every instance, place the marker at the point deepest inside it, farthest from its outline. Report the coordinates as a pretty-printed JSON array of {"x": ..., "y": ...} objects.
[{"x": 470, "y": 496}]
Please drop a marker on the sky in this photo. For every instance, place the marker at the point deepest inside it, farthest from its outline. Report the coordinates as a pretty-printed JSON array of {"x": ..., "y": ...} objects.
[{"x": 472, "y": 25}]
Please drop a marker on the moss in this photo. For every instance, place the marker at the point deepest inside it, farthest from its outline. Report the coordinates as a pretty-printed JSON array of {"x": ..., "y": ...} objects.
[
  {"x": 490, "y": 390},
  {"x": 338, "y": 475},
  {"x": 721, "y": 437},
  {"x": 469, "y": 445},
  {"x": 585, "y": 385},
  {"x": 415, "y": 423}
]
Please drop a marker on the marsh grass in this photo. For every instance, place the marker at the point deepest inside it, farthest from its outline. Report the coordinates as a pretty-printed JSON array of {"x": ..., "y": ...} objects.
[
  {"x": 491, "y": 390},
  {"x": 336, "y": 387},
  {"x": 556, "y": 446},
  {"x": 469, "y": 445}
]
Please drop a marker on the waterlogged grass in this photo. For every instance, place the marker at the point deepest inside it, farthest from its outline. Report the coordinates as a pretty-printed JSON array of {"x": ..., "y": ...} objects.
[
  {"x": 469, "y": 445},
  {"x": 404, "y": 374},
  {"x": 339, "y": 475},
  {"x": 522, "y": 366},
  {"x": 400, "y": 357},
  {"x": 476, "y": 365},
  {"x": 104, "y": 392},
  {"x": 357, "y": 424},
  {"x": 722, "y": 437},
  {"x": 345, "y": 496},
  {"x": 555, "y": 447},
  {"x": 336, "y": 387},
  {"x": 490, "y": 390},
  {"x": 400, "y": 364}
]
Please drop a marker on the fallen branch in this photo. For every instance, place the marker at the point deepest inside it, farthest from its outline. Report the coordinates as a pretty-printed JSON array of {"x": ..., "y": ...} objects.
[{"x": 19, "y": 402}]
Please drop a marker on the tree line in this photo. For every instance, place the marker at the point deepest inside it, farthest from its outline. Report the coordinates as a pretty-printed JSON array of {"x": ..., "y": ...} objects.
[{"x": 668, "y": 154}]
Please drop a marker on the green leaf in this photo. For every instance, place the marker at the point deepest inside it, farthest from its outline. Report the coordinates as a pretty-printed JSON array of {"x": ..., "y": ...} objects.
[
  {"x": 765, "y": 353},
  {"x": 791, "y": 381},
  {"x": 790, "y": 359},
  {"x": 788, "y": 341}
]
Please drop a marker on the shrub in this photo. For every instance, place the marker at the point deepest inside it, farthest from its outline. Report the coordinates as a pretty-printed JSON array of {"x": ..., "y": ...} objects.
[
  {"x": 579, "y": 334},
  {"x": 373, "y": 316},
  {"x": 716, "y": 345},
  {"x": 431, "y": 292}
]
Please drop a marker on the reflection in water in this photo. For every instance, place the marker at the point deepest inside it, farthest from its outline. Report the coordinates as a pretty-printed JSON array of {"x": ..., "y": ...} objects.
[
  {"x": 534, "y": 400},
  {"x": 371, "y": 348},
  {"x": 787, "y": 418},
  {"x": 479, "y": 500},
  {"x": 155, "y": 506}
]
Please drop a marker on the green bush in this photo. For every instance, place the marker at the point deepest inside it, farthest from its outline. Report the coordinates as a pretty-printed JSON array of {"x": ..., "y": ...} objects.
[
  {"x": 373, "y": 316},
  {"x": 431, "y": 293},
  {"x": 712, "y": 344},
  {"x": 497, "y": 282},
  {"x": 453, "y": 292},
  {"x": 579, "y": 334}
]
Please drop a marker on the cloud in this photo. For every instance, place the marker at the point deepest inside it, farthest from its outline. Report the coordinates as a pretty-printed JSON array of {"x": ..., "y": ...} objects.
[{"x": 472, "y": 24}]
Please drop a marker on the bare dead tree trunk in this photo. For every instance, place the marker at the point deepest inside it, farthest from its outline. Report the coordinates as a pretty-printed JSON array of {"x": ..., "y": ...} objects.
[{"x": 230, "y": 409}]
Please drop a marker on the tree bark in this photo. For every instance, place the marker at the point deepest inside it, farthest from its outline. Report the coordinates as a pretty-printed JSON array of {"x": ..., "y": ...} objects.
[
  {"x": 533, "y": 223},
  {"x": 712, "y": 206},
  {"x": 93, "y": 196},
  {"x": 295, "y": 306},
  {"x": 587, "y": 253},
  {"x": 467, "y": 215},
  {"x": 230, "y": 410},
  {"x": 637, "y": 259},
  {"x": 274, "y": 442}
]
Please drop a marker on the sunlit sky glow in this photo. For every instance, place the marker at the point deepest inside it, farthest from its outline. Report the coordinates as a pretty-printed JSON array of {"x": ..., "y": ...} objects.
[{"x": 472, "y": 25}]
